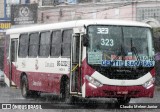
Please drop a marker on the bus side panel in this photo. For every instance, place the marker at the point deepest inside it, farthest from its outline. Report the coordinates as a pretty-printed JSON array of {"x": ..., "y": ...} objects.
[
  {"x": 44, "y": 82},
  {"x": 37, "y": 81},
  {"x": 86, "y": 70},
  {"x": 54, "y": 83},
  {"x": 43, "y": 74},
  {"x": 14, "y": 75},
  {"x": 6, "y": 60}
]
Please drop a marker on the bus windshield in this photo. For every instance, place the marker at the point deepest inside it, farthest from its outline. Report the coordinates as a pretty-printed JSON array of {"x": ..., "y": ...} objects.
[{"x": 120, "y": 46}]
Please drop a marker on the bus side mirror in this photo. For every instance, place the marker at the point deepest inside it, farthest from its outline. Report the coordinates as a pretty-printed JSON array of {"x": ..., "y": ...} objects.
[{"x": 85, "y": 40}]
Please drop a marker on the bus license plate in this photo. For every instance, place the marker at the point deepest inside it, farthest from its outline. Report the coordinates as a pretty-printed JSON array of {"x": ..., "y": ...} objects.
[{"x": 122, "y": 92}]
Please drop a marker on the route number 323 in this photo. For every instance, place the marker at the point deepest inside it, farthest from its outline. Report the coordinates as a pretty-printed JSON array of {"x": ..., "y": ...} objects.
[{"x": 105, "y": 42}]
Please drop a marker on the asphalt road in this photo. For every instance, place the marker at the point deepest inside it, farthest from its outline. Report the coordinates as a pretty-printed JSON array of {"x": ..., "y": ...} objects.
[{"x": 13, "y": 96}]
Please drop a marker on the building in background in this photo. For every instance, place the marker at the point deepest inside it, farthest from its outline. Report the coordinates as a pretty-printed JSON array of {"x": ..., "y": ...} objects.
[
  {"x": 24, "y": 14},
  {"x": 64, "y": 10},
  {"x": 140, "y": 10},
  {"x": 2, "y": 9}
]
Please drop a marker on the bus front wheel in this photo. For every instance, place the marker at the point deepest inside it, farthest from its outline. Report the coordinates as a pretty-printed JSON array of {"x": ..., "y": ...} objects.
[
  {"x": 65, "y": 94},
  {"x": 123, "y": 100},
  {"x": 24, "y": 87}
]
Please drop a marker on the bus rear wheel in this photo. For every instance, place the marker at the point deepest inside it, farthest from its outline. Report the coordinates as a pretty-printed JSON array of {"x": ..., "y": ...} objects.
[
  {"x": 24, "y": 87},
  {"x": 123, "y": 100},
  {"x": 35, "y": 93}
]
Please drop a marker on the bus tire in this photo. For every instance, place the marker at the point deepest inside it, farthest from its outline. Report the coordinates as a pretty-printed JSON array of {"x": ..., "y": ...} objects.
[
  {"x": 35, "y": 93},
  {"x": 65, "y": 95},
  {"x": 24, "y": 87},
  {"x": 123, "y": 100}
]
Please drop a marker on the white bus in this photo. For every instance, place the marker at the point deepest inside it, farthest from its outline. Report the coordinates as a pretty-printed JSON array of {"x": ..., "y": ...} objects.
[{"x": 84, "y": 58}]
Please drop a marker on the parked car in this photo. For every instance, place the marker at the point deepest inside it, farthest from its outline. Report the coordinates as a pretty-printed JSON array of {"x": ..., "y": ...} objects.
[{"x": 2, "y": 78}]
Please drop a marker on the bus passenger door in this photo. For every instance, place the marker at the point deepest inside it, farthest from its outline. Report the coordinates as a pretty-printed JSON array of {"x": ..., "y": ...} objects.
[
  {"x": 13, "y": 60},
  {"x": 75, "y": 78}
]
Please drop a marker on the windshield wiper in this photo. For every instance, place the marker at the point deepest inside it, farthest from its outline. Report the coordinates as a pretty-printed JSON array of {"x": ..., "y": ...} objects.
[{"x": 134, "y": 50}]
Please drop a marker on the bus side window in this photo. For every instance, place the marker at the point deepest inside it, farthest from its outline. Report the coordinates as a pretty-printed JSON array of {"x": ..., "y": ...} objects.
[
  {"x": 44, "y": 44},
  {"x": 33, "y": 44},
  {"x": 66, "y": 45},
  {"x": 56, "y": 43},
  {"x": 23, "y": 45}
]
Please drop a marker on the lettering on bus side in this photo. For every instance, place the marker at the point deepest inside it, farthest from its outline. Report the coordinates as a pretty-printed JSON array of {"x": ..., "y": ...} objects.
[
  {"x": 61, "y": 69},
  {"x": 47, "y": 64},
  {"x": 23, "y": 64},
  {"x": 131, "y": 63},
  {"x": 37, "y": 83},
  {"x": 62, "y": 63}
]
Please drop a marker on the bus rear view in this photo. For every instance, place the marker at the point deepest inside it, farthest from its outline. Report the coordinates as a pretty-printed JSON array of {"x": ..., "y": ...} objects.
[{"x": 120, "y": 62}]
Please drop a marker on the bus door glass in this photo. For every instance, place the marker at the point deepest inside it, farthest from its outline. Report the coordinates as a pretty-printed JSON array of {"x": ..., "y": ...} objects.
[
  {"x": 13, "y": 56},
  {"x": 75, "y": 78}
]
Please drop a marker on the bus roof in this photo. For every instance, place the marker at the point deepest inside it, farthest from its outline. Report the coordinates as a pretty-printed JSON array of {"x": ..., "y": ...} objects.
[{"x": 71, "y": 24}]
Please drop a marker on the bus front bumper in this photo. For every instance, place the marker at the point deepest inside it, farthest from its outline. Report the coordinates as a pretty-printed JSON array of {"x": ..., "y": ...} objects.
[{"x": 119, "y": 91}]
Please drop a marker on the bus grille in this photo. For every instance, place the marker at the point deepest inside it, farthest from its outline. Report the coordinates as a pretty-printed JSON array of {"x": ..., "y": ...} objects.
[{"x": 122, "y": 73}]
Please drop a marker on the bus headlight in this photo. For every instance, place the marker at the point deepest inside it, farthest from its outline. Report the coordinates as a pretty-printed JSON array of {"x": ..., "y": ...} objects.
[
  {"x": 93, "y": 82},
  {"x": 148, "y": 84}
]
